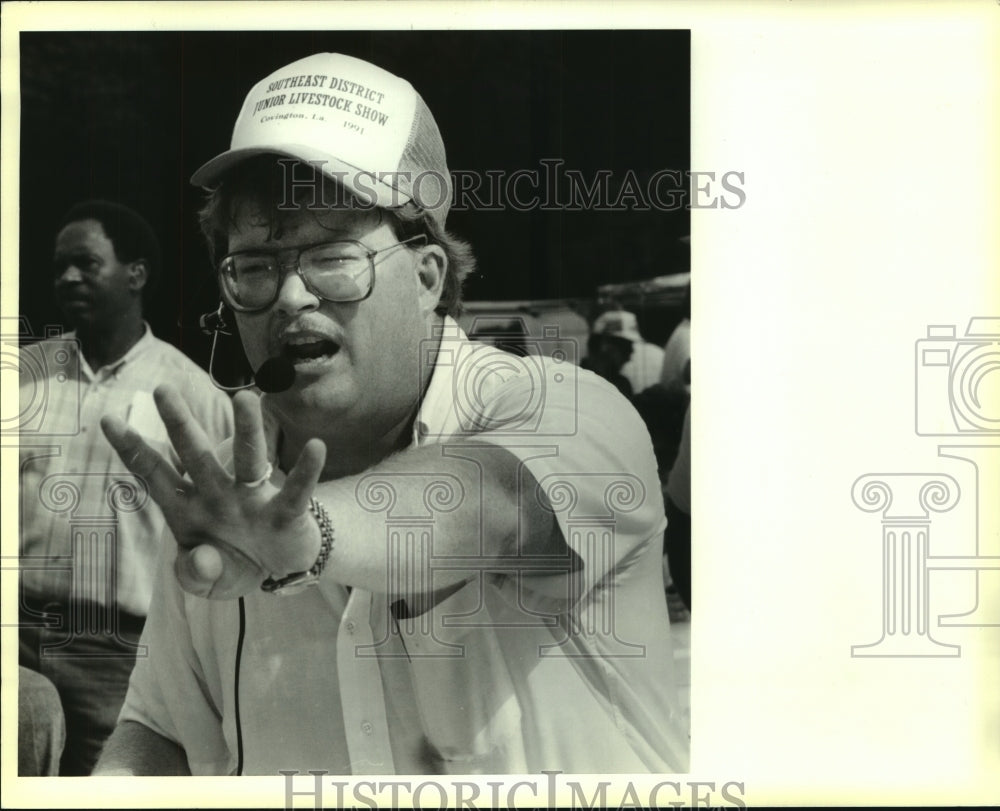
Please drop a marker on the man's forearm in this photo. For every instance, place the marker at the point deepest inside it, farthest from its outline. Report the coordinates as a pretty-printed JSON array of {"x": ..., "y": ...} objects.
[
  {"x": 134, "y": 750},
  {"x": 473, "y": 502}
]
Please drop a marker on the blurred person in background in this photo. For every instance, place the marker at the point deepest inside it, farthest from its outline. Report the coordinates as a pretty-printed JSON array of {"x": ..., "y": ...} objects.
[
  {"x": 664, "y": 404},
  {"x": 677, "y": 498},
  {"x": 607, "y": 354},
  {"x": 675, "y": 370},
  {"x": 642, "y": 369},
  {"x": 84, "y": 593}
]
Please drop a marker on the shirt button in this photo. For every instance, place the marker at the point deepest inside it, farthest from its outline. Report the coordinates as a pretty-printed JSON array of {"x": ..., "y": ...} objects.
[
  {"x": 367, "y": 727},
  {"x": 349, "y": 627}
]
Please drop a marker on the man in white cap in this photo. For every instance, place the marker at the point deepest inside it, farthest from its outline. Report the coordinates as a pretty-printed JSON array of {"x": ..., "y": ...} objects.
[
  {"x": 642, "y": 369},
  {"x": 424, "y": 554}
]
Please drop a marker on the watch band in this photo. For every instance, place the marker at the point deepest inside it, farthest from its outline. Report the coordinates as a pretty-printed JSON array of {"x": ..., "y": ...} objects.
[{"x": 296, "y": 581}]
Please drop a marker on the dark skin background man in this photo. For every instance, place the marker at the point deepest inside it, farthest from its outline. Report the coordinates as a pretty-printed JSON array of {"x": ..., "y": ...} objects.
[{"x": 89, "y": 533}]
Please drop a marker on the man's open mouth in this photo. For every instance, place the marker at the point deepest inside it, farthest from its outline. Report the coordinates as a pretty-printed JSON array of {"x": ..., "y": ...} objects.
[{"x": 306, "y": 349}]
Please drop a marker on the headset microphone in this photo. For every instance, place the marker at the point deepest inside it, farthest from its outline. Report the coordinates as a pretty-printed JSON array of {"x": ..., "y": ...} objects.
[
  {"x": 213, "y": 323},
  {"x": 274, "y": 375}
]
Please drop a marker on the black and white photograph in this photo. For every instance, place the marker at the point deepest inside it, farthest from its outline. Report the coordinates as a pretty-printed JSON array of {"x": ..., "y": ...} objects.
[
  {"x": 431, "y": 535},
  {"x": 549, "y": 206}
]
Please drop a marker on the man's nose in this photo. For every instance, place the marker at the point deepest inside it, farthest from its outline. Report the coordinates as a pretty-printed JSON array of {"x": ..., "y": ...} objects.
[
  {"x": 293, "y": 295},
  {"x": 69, "y": 274}
]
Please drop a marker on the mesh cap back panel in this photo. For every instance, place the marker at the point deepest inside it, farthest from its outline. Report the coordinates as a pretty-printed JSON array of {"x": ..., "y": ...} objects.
[{"x": 424, "y": 160}]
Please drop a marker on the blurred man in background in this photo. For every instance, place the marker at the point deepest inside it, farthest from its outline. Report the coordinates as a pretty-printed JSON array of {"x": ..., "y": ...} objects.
[
  {"x": 89, "y": 532},
  {"x": 675, "y": 373},
  {"x": 642, "y": 369},
  {"x": 607, "y": 354}
]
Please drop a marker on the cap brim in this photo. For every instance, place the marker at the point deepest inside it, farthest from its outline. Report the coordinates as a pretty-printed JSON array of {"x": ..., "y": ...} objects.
[{"x": 363, "y": 184}]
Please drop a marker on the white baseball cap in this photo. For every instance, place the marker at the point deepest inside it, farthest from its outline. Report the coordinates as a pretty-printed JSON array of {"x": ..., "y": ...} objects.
[
  {"x": 359, "y": 124},
  {"x": 621, "y": 323}
]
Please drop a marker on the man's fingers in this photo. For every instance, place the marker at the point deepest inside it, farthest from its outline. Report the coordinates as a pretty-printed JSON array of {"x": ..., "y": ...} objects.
[
  {"x": 192, "y": 444},
  {"x": 159, "y": 475},
  {"x": 294, "y": 496},
  {"x": 249, "y": 442}
]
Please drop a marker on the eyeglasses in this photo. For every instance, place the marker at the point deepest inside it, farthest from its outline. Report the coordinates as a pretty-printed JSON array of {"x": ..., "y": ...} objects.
[{"x": 340, "y": 271}]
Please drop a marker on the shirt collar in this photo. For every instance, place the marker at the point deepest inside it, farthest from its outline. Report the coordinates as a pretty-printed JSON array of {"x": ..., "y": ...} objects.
[
  {"x": 137, "y": 349},
  {"x": 437, "y": 407}
]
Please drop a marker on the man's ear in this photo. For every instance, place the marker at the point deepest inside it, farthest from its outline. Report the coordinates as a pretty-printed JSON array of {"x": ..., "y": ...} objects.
[
  {"x": 138, "y": 275},
  {"x": 431, "y": 272}
]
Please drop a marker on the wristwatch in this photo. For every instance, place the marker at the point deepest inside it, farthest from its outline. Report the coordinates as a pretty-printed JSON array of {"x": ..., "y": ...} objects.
[{"x": 297, "y": 582}]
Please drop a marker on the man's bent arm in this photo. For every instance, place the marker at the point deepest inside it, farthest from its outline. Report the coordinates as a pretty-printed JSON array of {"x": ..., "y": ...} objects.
[
  {"x": 467, "y": 506},
  {"x": 134, "y": 750},
  {"x": 482, "y": 506}
]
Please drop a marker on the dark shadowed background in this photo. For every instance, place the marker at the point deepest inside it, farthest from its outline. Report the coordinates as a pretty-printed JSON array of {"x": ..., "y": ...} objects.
[{"x": 130, "y": 115}]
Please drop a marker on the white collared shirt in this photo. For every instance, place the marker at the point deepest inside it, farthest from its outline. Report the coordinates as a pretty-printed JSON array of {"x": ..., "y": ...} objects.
[
  {"x": 513, "y": 673},
  {"x": 89, "y": 530}
]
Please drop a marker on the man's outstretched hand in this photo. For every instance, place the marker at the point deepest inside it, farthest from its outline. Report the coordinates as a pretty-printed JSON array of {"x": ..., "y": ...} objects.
[{"x": 230, "y": 536}]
